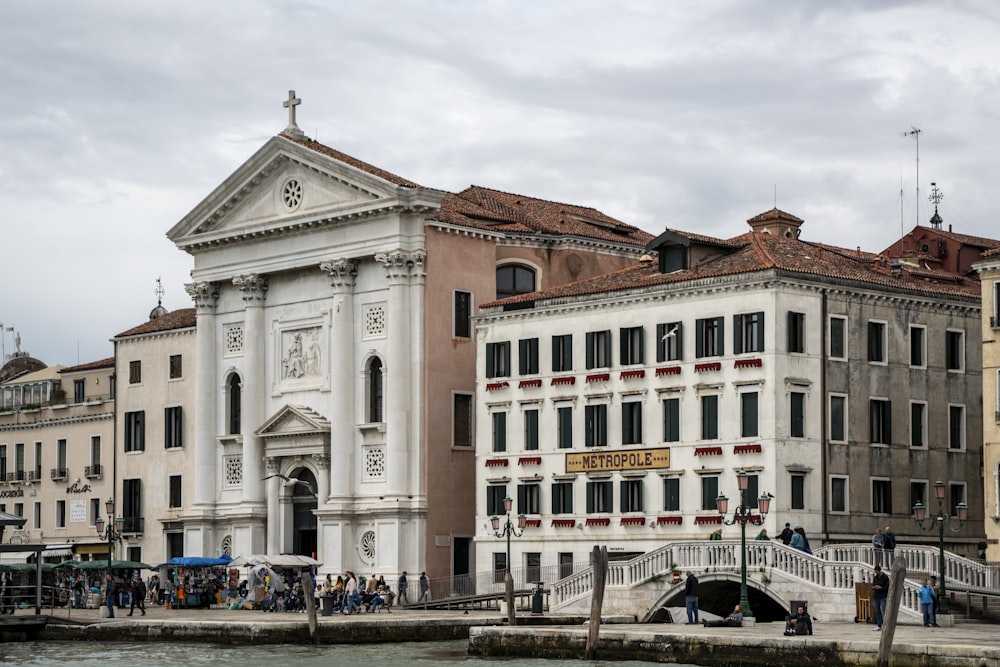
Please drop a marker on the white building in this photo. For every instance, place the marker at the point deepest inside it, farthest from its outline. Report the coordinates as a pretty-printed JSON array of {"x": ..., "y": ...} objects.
[{"x": 615, "y": 410}]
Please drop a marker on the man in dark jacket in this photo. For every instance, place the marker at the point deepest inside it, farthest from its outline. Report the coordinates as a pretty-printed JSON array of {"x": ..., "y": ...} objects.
[
  {"x": 880, "y": 593},
  {"x": 691, "y": 598},
  {"x": 786, "y": 534},
  {"x": 138, "y": 596},
  {"x": 799, "y": 623}
]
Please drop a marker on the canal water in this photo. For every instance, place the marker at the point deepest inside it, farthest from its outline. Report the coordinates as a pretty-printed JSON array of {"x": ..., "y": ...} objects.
[{"x": 423, "y": 654}]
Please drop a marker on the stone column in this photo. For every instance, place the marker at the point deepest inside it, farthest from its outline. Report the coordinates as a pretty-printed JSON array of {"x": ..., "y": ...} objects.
[
  {"x": 206, "y": 396},
  {"x": 339, "y": 483},
  {"x": 273, "y": 467},
  {"x": 416, "y": 463},
  {"x": 397, "y": 370},
  {"x": 254, "y": 288},
  {"x": 322, "y": 462}
]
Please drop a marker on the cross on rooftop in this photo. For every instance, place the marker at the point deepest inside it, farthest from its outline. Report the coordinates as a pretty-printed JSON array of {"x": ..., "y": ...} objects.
[{"x": 290, "y": 104}]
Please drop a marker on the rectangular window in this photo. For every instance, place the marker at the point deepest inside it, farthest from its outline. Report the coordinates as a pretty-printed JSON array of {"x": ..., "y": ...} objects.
[
  {"x": 748, "y": 332},
  {"x": 956, "y": 427},
  {"x": 173, "y": 427},
  {"x": 528, "y": 498},
  {"x": 880, "y": 421},
  {"x": 632, "y": 346},
  {"x": 596, "y": 425},
  {"x": 838, "y": 418},
  {"x": 565, "y": 417},
  {"x": 79, "y": 391},
  {"x": 710, "y": 417},
  {"x": 174, "y": 499},
  {"x": 38, "y": 460},
  {"x": 19, "y": 510},
  {"x": 709, "y": 492},
  {"x": 918, "y": 424},
  {"x": 748, "y": 414},
  {"x": 495, "y": 494},
  {"x": 881, "y": 496},
  {"x": 956, "y": 495},
  {"x": 60, "y": 514},
  {"x": 709, "y": 337},
  {"x": 995, "y": 318},
  {"x": 461, "y": 420},
  {"x": 632, "y": 423},
  {"x": 600, "y": 497},
  {"x": 631, "y": 492},
  {"x": 132, "y": 505},
  {"x": 797, "y": 414},
  {"x": 796, "y": 332},
  {"x": 95, "y": 450},
  {"x": 499, "y": 431},
  {"x": 498, "y": 359},
  {"x": 598, "y": 349},
  {"x": 753, "y": 491},
  {"x": 565, "y": 564},
  {"x": 134, "y": 372},
  {"x": 562, "y": 497},
  {"x": 530, "y": 430},
  {"x": 176, "y": 367},
  {"x": 798, "y": 489},
  {"x": 3, "y": 462},
  {"x": 37, "y": 519},
  {"x": 19, "y": 460},
  {"x": 918, "y": 346},
  {"x": 838, "y": 494},
  {"x": 532, "y": 566},
  {"x": 838, "y": 337},
  {"x": 499, "y": 567},
  {"x": 527, "y": 356},
  {"x": 918, "y": 493},
  {"x": 876, "y": 342},
  {"x": 462, "y": 317},
  {"x": 668, "y": 342},
  {"x": 955, "y": 350},
  {"x": 671, "y": 420},
  {"x": 61, "y": 456},
  {"x": 562, "y": 353},
  {"x": 95, "y": 510},
  {"x": 135, "y": 431},
  {"x": 671, "y": 494}
]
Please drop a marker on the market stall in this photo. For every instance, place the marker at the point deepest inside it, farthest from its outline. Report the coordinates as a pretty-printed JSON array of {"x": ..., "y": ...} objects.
[{"x": 196, "y": 582}]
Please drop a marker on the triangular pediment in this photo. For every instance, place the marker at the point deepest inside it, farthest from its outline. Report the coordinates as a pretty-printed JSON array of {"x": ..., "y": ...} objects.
[
  {"x": 294, "y": 420},
  {"x": 284, "y": 187}
]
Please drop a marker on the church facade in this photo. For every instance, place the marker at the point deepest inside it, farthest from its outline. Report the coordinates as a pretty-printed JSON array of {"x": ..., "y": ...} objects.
[{"x": 335, "y": 377}]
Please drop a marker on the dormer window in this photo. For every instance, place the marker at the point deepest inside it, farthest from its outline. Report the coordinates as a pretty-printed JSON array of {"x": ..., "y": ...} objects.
[{"x": 672, "y": 259}]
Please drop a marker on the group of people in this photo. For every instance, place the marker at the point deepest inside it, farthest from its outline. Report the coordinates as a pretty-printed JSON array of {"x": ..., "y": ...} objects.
[
  {"x": 795, "y": 538},
  {"x": 352, "y": 594},
  {"x": 884, "y": 544},
  {"x": 124, "y": 591}
]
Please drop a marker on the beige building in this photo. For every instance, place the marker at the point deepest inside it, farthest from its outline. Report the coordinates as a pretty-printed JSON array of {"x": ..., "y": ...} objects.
[
  {"x": 56, "y": 426},
  {"x": 989, "y": 271},
  {"x": 155, "y": 364}
]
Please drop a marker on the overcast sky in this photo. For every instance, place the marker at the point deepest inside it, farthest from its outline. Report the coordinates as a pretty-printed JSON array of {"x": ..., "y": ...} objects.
[{"x": 118, "y": 117}]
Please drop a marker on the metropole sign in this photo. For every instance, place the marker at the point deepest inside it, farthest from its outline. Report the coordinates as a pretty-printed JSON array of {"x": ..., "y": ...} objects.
[{"x": 634, "y": 459}]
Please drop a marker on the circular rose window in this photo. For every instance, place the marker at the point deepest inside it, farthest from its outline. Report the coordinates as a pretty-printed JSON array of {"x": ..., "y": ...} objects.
[
  {"x": 368, "y": 546},
  {"x": 291, "y": 194}
]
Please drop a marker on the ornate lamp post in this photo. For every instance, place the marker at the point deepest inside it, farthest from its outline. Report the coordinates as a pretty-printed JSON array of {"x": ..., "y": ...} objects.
[
  {"x": 507, "y": 531},
  {"x": 742, "y": 514},
  {"x": 941, "y": 519},
  {"x": 113, "y": 533}
]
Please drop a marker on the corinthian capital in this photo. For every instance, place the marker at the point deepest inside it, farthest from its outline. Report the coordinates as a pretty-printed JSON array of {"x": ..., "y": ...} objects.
[
  {"x": 342, "y": 273},
  {"x": 204, "y": 294},
  {"x": 401, "y": 264},
  {"x": 253, "y": 286}
]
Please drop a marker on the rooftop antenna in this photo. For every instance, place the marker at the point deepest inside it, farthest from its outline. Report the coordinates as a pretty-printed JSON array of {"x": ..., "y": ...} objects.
[
  {"x": 915, "y": 133},
  {"x": 159, "y": 292},
  {"x": 935, "y": 198}
]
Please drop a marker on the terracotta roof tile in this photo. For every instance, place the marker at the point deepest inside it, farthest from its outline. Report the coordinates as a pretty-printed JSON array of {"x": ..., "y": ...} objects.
[
  {"x": 102, "y": 363},
  {"x": 182, "y": 318},
  {"x": 353, "y": 161}
]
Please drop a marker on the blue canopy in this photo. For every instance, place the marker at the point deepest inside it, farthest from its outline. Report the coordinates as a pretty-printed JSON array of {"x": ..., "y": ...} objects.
[{"x": 195, "y": 561}]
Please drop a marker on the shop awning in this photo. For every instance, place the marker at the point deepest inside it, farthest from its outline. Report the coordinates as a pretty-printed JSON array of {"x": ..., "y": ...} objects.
[{"x": 16, "y": 556}]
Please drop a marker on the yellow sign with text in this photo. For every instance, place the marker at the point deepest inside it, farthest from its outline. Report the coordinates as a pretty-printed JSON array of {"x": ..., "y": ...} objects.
[{"x": 635, "y": 459}]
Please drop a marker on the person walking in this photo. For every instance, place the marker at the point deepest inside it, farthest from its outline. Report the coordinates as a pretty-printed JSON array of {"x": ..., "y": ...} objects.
[
  {"x": 786, "y": 534},
  {"x": 880, "y": 594},
  {"x": 425, "y": 587},
  {"x": 138, "y": 596},
  {"x": 889, "y": 545},
  {"x": 401, "y": 586},
  {"x": 878, "y": 542},
  {"x": 691, "y": 598},
  {"x": 110, "y": 594}
]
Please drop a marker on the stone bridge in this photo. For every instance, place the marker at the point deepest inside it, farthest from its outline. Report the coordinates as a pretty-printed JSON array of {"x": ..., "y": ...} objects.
[{"x": 776, "y": 575}]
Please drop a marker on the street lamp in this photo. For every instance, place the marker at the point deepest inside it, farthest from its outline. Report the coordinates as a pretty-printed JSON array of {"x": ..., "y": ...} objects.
[
  {"x": 941, "y": 519},
  {"x": 508, "y": 530},
  {"x": 742, "y": 514},
  {"x": 113, "y": 533}
]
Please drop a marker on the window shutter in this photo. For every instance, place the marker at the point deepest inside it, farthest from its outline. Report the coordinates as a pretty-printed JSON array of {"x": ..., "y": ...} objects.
[
  {"x": 556, "y": 357},
  {"x": 522, "y": 498},
  {"x": 760, "y": 339},
  {"x": 590, "y": 349},
  {"x": 489, "y": 360},
  {"x": 623, "y": 343},
  {"x": 555, "y": 499},
  {"x": 888, "y": 422},
  {"x": 699, "y": 338},
  {"x": 590, "y": 497},
  {"x": 623, "y": 489},
  {"x": 522, "y": 356},
  {"x": 721, "y": 328},
  {"x": 641, "y": 352},
  {"x": 661, "y": 344},
  {"x": 678, "y": 340},
  {"x": 737, "y": 334}
]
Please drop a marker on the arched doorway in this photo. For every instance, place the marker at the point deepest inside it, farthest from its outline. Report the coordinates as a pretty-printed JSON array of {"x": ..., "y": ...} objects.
[{"x": 302, "y": 491}]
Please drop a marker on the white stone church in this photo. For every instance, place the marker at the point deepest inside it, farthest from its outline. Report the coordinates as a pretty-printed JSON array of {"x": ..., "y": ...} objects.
[{"x": 335, "y": 352}]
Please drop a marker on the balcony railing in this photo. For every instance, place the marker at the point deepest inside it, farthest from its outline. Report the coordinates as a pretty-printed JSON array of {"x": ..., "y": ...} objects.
[
  {"x": 16, "y": 476},
  {"x": 34, "y": 475},
  {"x": 60, "y": 473},
  {"x": 94, "y": 470},
  {"x": 133, "y": 524}
]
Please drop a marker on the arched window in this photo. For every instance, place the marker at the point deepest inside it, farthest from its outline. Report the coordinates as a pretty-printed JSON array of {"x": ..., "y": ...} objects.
[
  {"x": 514, "y": 279},
  {"x": 235, "y": 388},
  {"x": 375, "y": 390}
]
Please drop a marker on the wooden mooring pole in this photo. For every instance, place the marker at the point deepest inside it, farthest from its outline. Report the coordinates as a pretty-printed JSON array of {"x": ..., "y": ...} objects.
[
  {"x": 600, "y": 560},
  {"x": 897, "y": 574}
]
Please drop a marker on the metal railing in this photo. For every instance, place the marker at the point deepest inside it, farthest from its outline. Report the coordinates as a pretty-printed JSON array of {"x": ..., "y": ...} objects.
[{"x": 93, "y": 470}]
